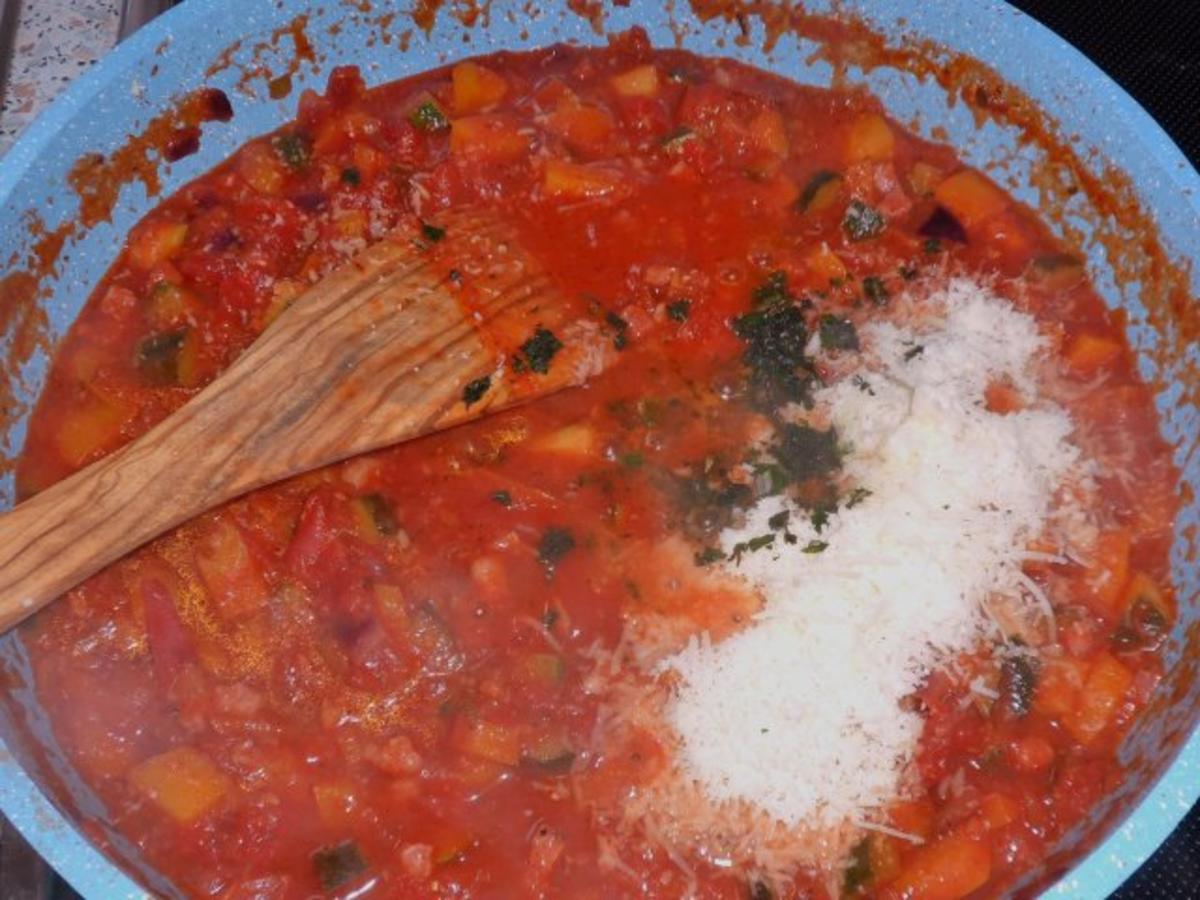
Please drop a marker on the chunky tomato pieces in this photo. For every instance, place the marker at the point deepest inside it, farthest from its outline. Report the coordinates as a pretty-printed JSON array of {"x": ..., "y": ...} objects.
[{"x": 379, "y": 677}]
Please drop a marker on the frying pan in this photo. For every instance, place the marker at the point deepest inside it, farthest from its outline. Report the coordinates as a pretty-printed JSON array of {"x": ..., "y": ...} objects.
[{"x": 229, "y": 44}]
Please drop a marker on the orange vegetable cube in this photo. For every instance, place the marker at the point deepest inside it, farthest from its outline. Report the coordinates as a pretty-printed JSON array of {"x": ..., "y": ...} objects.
[
  {"x": 1088, "y": 353},
  {"x": 824, "y": 263},
  {"x": 1107, "y": 683},
  {"x": 488, "y": 741},
  {"x": 183, "y": 781},
  {"x": 337, "y": 803},
  {"x": 95, "y": 426},
  {"x": 474, "y": 88},
  {"x": 1058, "y": 687},
  {"x": 970, "y": 197},
  {"x": 869, "y": 138},
  {"x": 576, "y": 182},
  {"x": 946, "y": 870},
  {"x": 640, "y": 81},
  {"x": 155, "y": 242},
  {"x": 487, "y": 139},
  {"x": 769, "y": 134},
  {"x": 583, "y": 128},
  {"x": 1032, "y": 753},
  {"x": 998, "y": 809},
  {"x": 1109, "y": 575}
]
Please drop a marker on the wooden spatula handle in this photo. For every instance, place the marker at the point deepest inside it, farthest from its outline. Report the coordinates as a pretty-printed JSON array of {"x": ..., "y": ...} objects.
[{"x": 377, "y": 353}]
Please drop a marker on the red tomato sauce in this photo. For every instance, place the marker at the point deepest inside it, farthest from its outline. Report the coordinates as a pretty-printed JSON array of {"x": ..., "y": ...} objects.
[{"x": 376, "y": 679}]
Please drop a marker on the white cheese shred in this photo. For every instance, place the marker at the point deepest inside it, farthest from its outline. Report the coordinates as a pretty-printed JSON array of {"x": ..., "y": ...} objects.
[{"x": 799, "y": 715}]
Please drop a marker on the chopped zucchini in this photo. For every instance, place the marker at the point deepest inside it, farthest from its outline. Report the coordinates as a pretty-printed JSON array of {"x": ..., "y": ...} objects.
[
  {"x": 158, "y": 356},
  {"x": 383, "y": 519},
  {"x": 821, "y": 192}
]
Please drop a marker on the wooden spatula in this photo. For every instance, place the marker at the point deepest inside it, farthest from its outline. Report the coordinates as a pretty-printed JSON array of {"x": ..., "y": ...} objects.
[{"x": 422, "y": 331}]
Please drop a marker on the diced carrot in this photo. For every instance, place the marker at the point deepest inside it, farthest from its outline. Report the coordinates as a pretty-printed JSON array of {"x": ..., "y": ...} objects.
[
  {"x": 1031, "y": 754},
  {"x": 769, "y": 134},
  {"x": 640, "y": 81},
  {"x": 949, "y": 869},
  {"x": 338, "y": 132},
  {"x": 1100, "y": 698},
  {"x": 155, "y": 242},
  {"x": 578, "y": 182},
  {"x": 923, "y": 178},
  {"x": 352, "y": 223},
  {"x": 578, "y": 439},
  {"x": 85, "y": 431},
  {"x": 1058, "y": 687},
  {"x": 474, "y": 88},
  {"x": 1109, "y": 574},
  {"x": 824, "y": 263},
  {"x": 488, "y": 139},
  {"x": 487, "y": 740},
  {"x": 1088, "y": 353},
  {"x": 869, "y": 138},
  {"x": 337, "y": 803},
  {"x": 998, "y": 809},
  {"x": 970, "y": 196},
  {"x": 582, "y": 127},
  {"x": 183, "y": 781}
]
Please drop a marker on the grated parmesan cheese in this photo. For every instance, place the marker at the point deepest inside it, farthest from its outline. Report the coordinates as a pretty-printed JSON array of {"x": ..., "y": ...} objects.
[{"x": 799, "y": 714}]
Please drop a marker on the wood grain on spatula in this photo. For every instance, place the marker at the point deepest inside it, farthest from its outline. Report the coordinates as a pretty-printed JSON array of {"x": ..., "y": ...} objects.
[{"x": 378, "y": 352}]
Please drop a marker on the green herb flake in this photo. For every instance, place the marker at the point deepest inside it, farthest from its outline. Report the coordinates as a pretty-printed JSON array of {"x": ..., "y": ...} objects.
[
  {"x": 751, "y": 546},
  {"x": 932, "y": 245},
  {"x": 913, "y": 352},
  {"x": 351, "y": 176},
  {"x": 504, "y": 498},
  {"x": 475, "y": 390},
  {"x": 815, "y": 547},
  {"x": 875, "y": 290},
  {"x": 432, "y": 233},
  {"x": 779, "y": 520},
  {"x": 862, "y": 222},
  {"x": 679, "y": 311},
  {"x": 837, "y": 333},
  {"x": 538, "y": 351},
  {"x": 819, "y": 518},
  {"x": 708, "y": 556},
  {"x": 339, "y": 865},
  {"x": 428, "y": 117},
  {"x": 555, "y": 544},
  {"x": 857, "y": 496},
  {"x": 863, "y": 385},
  {"x": 908, "y": 273},
  {"x": 632, "y": 460},
  {"x": 773, "y": 292},
  {"x": 294, "y": 148}
]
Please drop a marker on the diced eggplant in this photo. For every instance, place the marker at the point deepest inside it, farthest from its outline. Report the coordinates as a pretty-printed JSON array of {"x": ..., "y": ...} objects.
[{"x": 942, "y": 226}]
